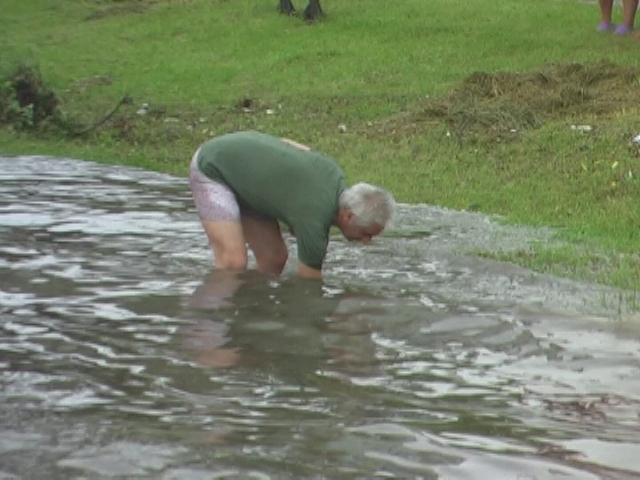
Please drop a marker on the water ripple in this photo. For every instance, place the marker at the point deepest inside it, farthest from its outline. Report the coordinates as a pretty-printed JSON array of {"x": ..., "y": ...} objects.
[{"x": 122, "y": 355}]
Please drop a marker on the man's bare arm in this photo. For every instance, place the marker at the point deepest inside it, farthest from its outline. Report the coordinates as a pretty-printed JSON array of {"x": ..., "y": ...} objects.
[{"x": 305, "y": 271}]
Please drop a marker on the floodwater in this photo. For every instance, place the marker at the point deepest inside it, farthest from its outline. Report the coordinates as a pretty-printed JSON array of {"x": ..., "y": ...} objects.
[{"x": 123, "y": 355}]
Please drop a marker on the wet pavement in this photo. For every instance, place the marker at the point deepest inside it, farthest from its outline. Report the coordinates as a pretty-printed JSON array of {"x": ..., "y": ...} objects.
[{"x": 123, "y": 355}]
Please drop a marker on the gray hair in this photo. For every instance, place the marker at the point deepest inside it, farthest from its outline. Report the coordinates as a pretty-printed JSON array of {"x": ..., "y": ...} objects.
[{"x": 369, "y": 204}]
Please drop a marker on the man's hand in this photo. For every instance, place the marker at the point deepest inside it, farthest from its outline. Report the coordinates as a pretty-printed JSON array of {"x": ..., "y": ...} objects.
[{"x": 304, "y": 271}]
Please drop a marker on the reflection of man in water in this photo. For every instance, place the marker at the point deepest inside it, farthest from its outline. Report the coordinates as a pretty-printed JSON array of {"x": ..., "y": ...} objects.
[
  {"x": 245, "y": 183},
  {"x": 246, "y": 318}
]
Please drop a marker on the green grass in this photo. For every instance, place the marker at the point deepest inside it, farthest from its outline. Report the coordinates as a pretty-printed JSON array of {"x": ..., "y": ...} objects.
[{"x": 366, "y": 63}]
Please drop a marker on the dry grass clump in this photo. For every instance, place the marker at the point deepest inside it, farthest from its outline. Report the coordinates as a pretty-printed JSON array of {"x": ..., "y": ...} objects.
[{"x": 497, "y": 105}]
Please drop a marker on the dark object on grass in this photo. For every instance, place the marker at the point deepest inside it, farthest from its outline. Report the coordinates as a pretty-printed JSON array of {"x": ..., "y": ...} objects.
[
  {"x": 80, "y": 131},
  {"x": 312, "y": 12},
  {"x": 25, "y": 101}
]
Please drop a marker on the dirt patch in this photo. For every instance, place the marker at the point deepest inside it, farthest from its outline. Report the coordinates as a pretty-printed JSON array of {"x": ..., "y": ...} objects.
[
  {"x": 498, "y": 105},
  {"x": 111, "y": 8},
  {"x": 83, "y": 84}
]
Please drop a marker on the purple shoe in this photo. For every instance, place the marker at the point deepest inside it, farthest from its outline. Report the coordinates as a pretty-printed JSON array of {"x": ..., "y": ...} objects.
[
  {"x": 606, "y": 26},
  {"x": 623, "y": 30}
]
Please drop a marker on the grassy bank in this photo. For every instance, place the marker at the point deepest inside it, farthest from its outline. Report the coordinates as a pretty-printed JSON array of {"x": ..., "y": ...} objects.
[{"x": 477, "y": 105}]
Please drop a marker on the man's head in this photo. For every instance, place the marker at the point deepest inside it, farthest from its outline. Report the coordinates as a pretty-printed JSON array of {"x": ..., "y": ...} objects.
[{"x": 364, "y": 211}]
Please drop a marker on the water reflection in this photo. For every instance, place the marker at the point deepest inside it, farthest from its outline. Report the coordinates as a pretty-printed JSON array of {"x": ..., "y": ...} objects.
[
  {"x": 257, "y": 315},
  {"x": 123, "y": 355}
]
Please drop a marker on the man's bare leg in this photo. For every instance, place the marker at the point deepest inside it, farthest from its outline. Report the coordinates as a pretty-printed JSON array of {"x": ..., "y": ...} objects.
[
  {"x": 265, "y": 240},
  {"x": 228, "y": 244}
]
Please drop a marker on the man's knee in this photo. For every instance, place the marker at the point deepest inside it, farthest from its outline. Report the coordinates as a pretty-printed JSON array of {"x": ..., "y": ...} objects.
[
  {"x": 228, "y": 244},
  {"x": 231, "y": 260},
  {"x": 274, "y": 262}
]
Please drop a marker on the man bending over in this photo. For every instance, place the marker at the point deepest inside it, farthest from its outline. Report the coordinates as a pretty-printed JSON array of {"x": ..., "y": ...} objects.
[{"x": 244, "y": 184}]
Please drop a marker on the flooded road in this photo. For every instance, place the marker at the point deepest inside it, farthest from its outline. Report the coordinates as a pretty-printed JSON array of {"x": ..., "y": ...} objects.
[{"x": 123, "y": 355}]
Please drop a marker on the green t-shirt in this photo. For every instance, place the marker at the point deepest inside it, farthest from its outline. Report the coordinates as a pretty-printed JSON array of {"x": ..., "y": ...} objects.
[{"x": 283, "y": 182}]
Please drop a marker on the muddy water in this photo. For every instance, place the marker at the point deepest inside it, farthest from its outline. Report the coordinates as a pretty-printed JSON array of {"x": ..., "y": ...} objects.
[{"x": 122, "y": 355}]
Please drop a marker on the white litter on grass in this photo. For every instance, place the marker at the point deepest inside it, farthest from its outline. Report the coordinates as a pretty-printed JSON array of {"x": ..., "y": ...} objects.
[{"x": 143, "y": 109}]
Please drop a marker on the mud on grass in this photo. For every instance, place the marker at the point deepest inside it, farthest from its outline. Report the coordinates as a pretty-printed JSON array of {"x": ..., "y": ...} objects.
[
  {"x": 483, "y": 108},
  {"x": 496, "y": 106},
  {"x": 620, "y": 269}
]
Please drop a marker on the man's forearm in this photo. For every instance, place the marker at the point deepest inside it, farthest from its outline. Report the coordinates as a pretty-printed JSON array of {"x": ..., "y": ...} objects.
[{"x": 304, "y": 271}]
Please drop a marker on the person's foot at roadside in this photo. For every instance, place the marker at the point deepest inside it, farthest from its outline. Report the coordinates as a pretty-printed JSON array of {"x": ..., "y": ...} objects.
[
  {"x": 623, "y": 30},
  {"x": 606, "y": 26}
]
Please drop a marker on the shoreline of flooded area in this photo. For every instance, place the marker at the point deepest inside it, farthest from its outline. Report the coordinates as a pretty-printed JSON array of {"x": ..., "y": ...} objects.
[{"x": 124, "y": 355}]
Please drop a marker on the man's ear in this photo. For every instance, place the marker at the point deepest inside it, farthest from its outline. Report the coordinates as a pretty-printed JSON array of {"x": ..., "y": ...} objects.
[{"x": 347, "y": 215}]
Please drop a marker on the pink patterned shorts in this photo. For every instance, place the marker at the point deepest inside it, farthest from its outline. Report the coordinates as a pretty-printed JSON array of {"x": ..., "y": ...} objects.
[{"x": 214, "y": 201}]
